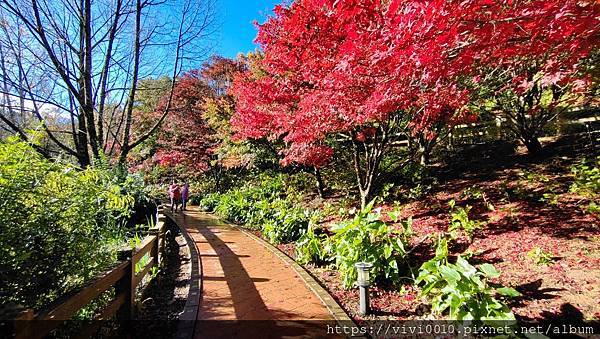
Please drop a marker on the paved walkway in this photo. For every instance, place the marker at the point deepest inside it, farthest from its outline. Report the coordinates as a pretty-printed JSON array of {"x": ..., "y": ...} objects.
[{"x": 247, "y": 291}]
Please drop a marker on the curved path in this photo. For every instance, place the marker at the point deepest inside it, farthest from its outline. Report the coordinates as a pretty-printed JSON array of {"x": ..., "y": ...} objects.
[{"x": 247, "y": 291}]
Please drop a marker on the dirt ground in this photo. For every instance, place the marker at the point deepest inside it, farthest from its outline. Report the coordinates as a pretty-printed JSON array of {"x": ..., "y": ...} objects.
[
  {"x": 567, "y": 288},
  {"x": 165, "y": 298}
]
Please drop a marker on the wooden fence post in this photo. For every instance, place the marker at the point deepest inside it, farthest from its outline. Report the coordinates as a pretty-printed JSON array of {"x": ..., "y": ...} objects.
[
  {"x": 163, "y": 220},
  {"x": 125, "y": 285},
  {"x": 155, "y": 232}
]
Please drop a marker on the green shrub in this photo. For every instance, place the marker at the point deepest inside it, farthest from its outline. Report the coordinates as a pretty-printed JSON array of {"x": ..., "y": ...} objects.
[
  {"x": 415, "y": 172},
  {"x": 461, "y": 291},
  {"x": 209, "y": 202},
  {"x": 388, "y": 191},
  {"x": 234, "y": 206},
  {"x": 593, "y": 208},
  {"x": 587, "y": 182},
  {"x": 58, "y": 225},
  {"x": 459, "y": 220},
  {"x": 267, "y": 204},
  {"x": 540, "y": 257},
  {"x": 587, "y": 178},
  {"x": 286, "y": 224},
  {"x": 310, "y": 247},
  {"x": 367, "y": 238},
  {"x": 157, "y": 192}
]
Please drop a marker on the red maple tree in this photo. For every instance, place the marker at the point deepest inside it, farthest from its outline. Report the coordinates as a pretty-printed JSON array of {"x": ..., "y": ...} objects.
[
  {"x": 343, "y": 67},
  {"x": 184, "y": 138}
]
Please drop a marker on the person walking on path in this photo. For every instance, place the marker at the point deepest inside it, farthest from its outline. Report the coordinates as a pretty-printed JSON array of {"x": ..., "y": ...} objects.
[
  {"x": 175, "y": 195},
  {"x": 185, "y": 194}
]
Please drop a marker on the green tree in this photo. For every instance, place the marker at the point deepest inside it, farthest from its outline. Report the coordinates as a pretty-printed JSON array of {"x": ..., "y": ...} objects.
[{"x": 59, "y": 225}]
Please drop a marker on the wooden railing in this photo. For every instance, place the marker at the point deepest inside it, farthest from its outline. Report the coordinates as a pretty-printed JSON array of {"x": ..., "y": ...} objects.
[{"x": 28, "y": 323}]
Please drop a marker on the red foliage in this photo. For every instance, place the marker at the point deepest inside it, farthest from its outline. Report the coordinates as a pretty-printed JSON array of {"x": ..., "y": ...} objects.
[
  {"x": 184, "y": 139},
  {"x": 219, "y": 72},
  {"x": 337, "y": 66}
]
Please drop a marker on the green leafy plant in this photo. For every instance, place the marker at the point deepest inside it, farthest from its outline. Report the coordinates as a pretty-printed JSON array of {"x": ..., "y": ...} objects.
[
  {"x": 60, "y": 225},
  {"x": 551, "y": 198},
  {"x": 310, "y": 247},
  {"x": 367, "y": 238},
  {"x": 387, "y": 191},
  {"x": 540, "y": 257},
  {"x": 476, "y": 193},
  {"x": 587, "y": 178},
  {"x": 472, "y": 193},
  {"x": 587, "y": 183},
  {"x": 459, "y": 220},
  {"x": 209, "y": 202},
  {"x": 533, "y": 177},
  {"x": 286, "y": 224},
  {"x": 593, "y": 208},
  {"x": 406, "y": 225},
  {"x": 268, "y": 205},
  {"x": 461, "y": 291},
  {"x": 419, "y": 191}
]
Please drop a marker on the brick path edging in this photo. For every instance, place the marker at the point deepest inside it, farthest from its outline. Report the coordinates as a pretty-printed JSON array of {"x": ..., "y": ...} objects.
[{"x": 187, "y": 326}]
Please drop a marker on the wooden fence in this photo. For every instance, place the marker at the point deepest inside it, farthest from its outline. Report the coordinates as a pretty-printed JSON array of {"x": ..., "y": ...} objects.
[
  {"x": 123, "y": 278},
  {"x": 481, "y": 132}
]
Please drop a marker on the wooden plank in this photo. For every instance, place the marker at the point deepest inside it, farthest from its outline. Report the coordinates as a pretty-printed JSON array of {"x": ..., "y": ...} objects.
[
  {"x": 21, "y": 324},
  {"x": 107, "y": 312},
  {"x": 145, "y": 246},
  {"x": 64, "y": 308},
  {"x": 124, "y": 286},
  {"x": 155, "y": 249},
  {"x": 141, "y": 274},
  {"x": 111, "y": 309}
]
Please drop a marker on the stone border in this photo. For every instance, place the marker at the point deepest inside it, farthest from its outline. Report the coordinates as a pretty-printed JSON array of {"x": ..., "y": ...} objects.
[
  {"x": 187, "y": 324},
  {"x": 338, "y": 313}
]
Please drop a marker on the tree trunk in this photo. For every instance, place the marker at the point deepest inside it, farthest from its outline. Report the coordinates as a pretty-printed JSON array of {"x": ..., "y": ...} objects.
[
  {"x": 364, "y": 178},
  {"x": 366, "y": 191},
  {"x": 425, "y": 148},
  {"x": 81, "y": 143},
  {"x": 216, "y": 171},
  {"x": 424, "y": 161},
  {"x": 533, "y": 145},
  {"x": 320, "y": 184}
]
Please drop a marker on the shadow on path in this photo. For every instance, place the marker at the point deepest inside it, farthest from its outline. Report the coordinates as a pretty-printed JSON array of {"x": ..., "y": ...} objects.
[{"x": 238, "y": 304}]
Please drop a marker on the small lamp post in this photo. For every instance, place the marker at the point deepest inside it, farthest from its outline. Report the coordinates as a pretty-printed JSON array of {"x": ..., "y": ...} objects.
[{"x": 363, "y": 269}]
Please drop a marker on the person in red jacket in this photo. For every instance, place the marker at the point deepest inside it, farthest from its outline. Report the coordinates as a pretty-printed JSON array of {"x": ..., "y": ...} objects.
[{"x": 175, "y": 195}]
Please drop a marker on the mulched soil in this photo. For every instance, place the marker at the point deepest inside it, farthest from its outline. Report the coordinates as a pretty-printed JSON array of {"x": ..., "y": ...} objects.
[
  {"x": 164, "y": 299},
  {"x": 568, "y": 289}
]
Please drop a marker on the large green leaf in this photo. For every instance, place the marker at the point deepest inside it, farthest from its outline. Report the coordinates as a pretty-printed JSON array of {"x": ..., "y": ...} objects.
[
  {"x": 449, "y": 273},
  {"x": 467, "y": 269},
  {"x": 508, "y": 292},
  {"x": 489, "y": 270}
]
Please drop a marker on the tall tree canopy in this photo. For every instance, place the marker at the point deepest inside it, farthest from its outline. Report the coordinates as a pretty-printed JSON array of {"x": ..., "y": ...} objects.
[
  {"x": 196, "y": 136},
  {"x": 362, "y": 70}
]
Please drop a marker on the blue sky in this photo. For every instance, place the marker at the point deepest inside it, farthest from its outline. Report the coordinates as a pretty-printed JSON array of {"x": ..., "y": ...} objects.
[{"x": 237, "y": 32}]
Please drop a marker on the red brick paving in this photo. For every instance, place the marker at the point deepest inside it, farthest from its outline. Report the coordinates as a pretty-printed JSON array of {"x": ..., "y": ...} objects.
[{"x": 242, "y": 280}]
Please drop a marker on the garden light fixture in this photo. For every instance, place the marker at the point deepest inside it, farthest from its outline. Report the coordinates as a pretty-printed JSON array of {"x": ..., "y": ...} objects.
[{"x": 363, "y": 269}]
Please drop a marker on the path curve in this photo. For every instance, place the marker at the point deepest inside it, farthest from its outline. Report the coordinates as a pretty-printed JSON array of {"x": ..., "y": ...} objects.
[{"x": 247, "y": 291}]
